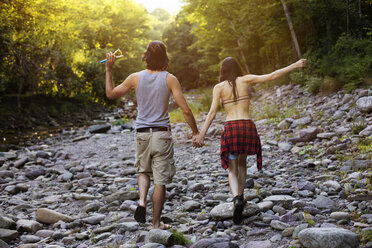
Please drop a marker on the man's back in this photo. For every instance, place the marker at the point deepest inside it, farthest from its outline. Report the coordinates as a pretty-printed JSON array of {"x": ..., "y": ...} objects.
[{"x": 152, "y": 99}]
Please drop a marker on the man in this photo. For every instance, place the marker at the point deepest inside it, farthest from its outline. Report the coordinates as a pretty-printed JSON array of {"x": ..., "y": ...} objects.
[{"x": 154, "y": 144}]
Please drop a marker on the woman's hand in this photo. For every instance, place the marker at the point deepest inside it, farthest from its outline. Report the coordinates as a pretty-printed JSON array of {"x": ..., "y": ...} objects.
[
  {"x": 110, "y": 60},
  {"x": 301, "y": 63},
  {"x": 198, "y": 140}
]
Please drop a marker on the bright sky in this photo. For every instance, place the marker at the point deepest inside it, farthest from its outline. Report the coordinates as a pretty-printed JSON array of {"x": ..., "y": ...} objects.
[{"x": 172, "y": 6}]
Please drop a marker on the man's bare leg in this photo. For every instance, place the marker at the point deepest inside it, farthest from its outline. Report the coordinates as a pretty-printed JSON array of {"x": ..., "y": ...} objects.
[
  {"x": 233, "y": 177},
  {"x": 242, "y": 174},
  {"x": 158, "y": 198},
  {"x": 143, "y": 188}
]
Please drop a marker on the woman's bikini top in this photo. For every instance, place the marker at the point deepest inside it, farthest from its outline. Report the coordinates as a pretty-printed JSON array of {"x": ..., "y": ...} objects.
[{"x": 231, "y": 100}]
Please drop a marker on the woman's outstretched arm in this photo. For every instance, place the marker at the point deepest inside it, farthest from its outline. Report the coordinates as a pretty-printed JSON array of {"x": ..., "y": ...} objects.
[
  {"x": 250, "y": 78},
  {"x": 199, "y": 139}
]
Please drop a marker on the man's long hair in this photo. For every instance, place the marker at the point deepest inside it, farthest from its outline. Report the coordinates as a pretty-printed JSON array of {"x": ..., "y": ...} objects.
[
  {"x": 230, "y": 70},
  {"x": 156, "y": 56}
]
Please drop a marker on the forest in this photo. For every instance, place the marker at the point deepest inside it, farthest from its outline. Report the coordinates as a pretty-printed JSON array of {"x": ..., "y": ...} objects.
[{"x": 52, "y": 48}]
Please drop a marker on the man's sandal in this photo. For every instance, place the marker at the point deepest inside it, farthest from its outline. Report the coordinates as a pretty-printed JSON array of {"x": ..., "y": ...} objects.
[{"x": 140, "y": 214}]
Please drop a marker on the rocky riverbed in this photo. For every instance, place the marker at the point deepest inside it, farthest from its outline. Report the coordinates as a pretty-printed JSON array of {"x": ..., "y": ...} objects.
[{"x": 79, "y": 188}]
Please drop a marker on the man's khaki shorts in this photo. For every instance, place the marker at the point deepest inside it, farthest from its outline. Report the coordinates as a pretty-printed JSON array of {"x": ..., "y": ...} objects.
[{"x": 154, "y": 156}]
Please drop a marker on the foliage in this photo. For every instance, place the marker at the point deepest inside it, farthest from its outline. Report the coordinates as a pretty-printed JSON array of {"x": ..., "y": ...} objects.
[
  {"x": 357, "y": 127},
  {"x": 308, "y": 149},
  {"x": 308, "y": 218},
  {"x": 256, "y": 34},
  {"x": 54, "y": 47},
  {"x": 183, "y": 56},
  {"x": 314, "y": 85},
  {"x": 179, "y": 238},
  {"x": 266, "y": 111},
  {"x": 120, "y": 121}
]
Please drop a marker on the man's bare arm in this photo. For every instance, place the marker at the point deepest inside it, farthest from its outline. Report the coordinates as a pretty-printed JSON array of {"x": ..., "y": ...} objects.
[
  {"x": 175, "y": 87},
  {"x": 120, "y": 90}
]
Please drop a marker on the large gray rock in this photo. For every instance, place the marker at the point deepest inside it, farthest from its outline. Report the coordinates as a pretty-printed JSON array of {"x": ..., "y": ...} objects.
[
  {"x": 324, "y": 202},
  {"x": 333, "y": 185},
  {"x": 279, "y": 198},
  {"x": 284, "y": 124},
  {"x": 359, "y": 164},
  {"x": 122, "y": 196},
  {"x": 257, "y": 244},
  {"x": 278, "y": 225},
  {"x": 7, "y": 223},
  {"x": 99, "y": 128},
  {"x": 48, "y": 216},
  {"x": 305, "y": 185},
  {"x": 285, "y": 146},
  {"x": 3, "y": 244},
  {"x": 367, "y": 131},
  {"x": 8, "y": 235},
  {"x": 191, "y": 205},
  {"x": 364, "y": 104},
  {"x": 302, "y": 121},
  {"x": 340, "y": 216},
  {"x": 95, "y": 219},
  {"x": 35, "y": 172},
  {"x": 308, "y": 134},
  {"x": 265, "y": 205},
  {"x": 328, "y": 238},
  {"x": 225, "y": 210},
  {"x": 152, "y": 245},
  {"x": 326, "y": 135},
  {"x": 8, "y": 155},
  {"x": 20, "y": 162},
  {"x": 298, "y": 229},
  {"x": 30, "y": 226},
  {"x": 214, "y": 243},
  {"x": 161, "y": 237}
]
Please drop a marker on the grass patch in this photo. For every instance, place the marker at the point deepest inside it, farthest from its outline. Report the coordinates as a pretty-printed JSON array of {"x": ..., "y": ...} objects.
[
  {"x": 120, "y": 121},
  {"x": 266, "y": 111},
  {"x": 357, "y": 127},
  {"x": 179, "y": 238}
]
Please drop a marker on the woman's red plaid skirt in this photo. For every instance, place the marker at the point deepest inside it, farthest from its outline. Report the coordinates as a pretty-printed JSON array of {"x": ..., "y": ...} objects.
[{"x": 240, "y": 137}]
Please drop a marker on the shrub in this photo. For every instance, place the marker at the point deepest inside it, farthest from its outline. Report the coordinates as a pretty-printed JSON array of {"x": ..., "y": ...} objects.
[
  {"x": 298, "y": 77},
  {"x": 314, "y": 84},
  {"x": 329, "y": 85}
]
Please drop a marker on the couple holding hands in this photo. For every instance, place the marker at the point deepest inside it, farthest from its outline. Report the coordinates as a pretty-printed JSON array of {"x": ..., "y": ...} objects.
[{"x": 154, "y": 144}]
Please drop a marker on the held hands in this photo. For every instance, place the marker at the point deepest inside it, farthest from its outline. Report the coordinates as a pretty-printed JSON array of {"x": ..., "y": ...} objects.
[
  {"x": 198, "y": 140},
  {"x": 110, "y": 60},
  {"x": 301, "y": 63}
]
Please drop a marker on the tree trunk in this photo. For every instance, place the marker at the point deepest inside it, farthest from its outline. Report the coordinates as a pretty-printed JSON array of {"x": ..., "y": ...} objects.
[
  {"x": 347, "y": 17},
  {"x": 291, "y": 29},
  {"x": 360, "y": 9},
  {"x": 239, "y": 44},
  {"x": 243, "y": 56}
]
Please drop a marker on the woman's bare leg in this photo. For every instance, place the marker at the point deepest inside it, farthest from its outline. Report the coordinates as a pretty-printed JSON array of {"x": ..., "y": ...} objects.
[
  {"x": 242, "y": 173},
  {"x": 233, "y": 177}
]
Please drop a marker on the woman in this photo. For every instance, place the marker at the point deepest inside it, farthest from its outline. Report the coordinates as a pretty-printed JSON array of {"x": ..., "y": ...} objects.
[{"x": 239, "y": 137}]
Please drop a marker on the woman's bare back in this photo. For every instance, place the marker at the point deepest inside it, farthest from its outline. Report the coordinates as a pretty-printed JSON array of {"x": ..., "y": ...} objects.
[{"x": 235, "y": 110}]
